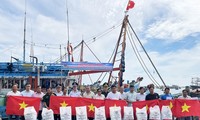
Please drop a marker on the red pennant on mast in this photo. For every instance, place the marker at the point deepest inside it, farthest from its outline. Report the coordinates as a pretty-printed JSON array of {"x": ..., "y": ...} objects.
[{"x": 130, "y": 5}]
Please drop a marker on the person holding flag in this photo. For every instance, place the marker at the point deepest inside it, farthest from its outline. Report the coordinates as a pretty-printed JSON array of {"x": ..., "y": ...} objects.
[
  {"x": 75, "y": 92},
  {"x": 167, "y": 95},
  {"x": 27, "y": 92},
  {"x": 14, "y": 92}
]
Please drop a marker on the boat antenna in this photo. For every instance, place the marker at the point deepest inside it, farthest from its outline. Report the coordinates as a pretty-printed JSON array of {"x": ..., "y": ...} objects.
[
  {"x": 67, "y": 20},
  {"x": 24, "y": 42}
]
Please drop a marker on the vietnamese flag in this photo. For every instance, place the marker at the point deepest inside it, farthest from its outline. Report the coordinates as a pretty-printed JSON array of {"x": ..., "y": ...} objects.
[
  {"x": 15, "y": 105},
  {"x": 114, "y": 103},
  {"x": 148, "y": 104},
  {"x": 130, "y": 5},
  {"x": 170, "y": 103},
  {"x": 187, "y": 107},
  {"x": 91, "y": 104},
  {"x": 58, "y": 101}
]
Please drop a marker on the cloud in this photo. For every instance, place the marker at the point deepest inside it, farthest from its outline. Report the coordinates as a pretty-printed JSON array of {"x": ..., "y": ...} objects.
[{"x": 181, "y": 19}]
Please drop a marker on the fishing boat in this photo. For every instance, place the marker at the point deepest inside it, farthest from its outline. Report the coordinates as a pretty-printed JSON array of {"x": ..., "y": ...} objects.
[{"x": 62, "y": 72}]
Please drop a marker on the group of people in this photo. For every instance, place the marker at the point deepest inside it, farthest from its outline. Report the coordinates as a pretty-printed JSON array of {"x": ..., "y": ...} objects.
[{"x": 115, "y": 94}]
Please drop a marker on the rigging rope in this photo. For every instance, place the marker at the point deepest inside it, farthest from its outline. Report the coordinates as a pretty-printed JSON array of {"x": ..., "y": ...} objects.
[
  {"x": 92, "y": 52},
  {"x": 147, "y": 54},
  {"x": 141, "y": 61}
]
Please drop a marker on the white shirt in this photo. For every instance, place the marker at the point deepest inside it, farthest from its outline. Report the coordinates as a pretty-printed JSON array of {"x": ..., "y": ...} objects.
[
  {"x": 181, "y": 97},
  {"x": 27, "y": 93},
  {"x": 11, "y": 93},
  {"x": 114, "y": 96},
  {"x": 75, "y": 93},
  {"x": 140, "y": 97},
  {"x": 131, "y": 97},
  {"x": 59, "y": 93},
  {"x": 90, "y": 95},
  {"x": 39, "y": 95},
  {"x": 99, "y": 97},
  {"x": 123, "y": 95}
]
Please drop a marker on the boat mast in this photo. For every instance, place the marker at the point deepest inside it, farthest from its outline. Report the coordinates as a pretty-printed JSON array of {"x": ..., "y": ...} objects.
[
  {"x": 122, "y": 63},
  {"x": 81, "y": 60},
  {"x": 24, "y": 42},
  {"x": 68, "y": 43}
]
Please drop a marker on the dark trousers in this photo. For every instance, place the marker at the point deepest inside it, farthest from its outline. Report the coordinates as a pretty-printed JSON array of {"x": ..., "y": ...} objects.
[
  {"x": 22, "y": 118},
  {"x": 56, "y": 117},
  {"x": 39, "y": 117},
  {"x": 73, "y": 117},
  {"x": 13, "y": 117}
]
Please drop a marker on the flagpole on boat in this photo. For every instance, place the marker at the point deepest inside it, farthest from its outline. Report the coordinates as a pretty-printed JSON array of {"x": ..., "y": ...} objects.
[
  {"x": 68, "y": 43},
  {"x": 24, "y": 41}
]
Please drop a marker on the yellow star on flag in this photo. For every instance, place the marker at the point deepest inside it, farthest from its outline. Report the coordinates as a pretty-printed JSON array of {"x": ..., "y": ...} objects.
[
  {"x": 170, "y": 105},
  {"x": 63, "y": 104},
  {"x": 23, "y": 105},
  {"x": 147, "y": 107},
  {"x": 91, "y": 107},
  {"x": 115, "y": 105},
  {"x": 185, "y": 108}
]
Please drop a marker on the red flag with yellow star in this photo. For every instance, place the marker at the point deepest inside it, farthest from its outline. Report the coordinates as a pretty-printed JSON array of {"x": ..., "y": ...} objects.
[
  {"x": 58, "y": 101},
  {"x": 112, "y": 103},
  {"x": 15, "y": 105},
  {"x": 91, "y": 104},
  {"x": 148, "y": 104},
  {"x": 187, "y": 107},
  {"x": 169, "y": 103}
]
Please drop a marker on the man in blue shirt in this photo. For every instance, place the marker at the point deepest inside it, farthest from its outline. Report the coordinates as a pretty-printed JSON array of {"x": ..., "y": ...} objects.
[{"x": 167, "y": 95}]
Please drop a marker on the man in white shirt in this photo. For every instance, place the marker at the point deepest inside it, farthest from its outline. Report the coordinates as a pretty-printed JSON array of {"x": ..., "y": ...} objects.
[
  {"x": 185, "y": 95},
  {"x": 141, "y": 96},
  {"x": 99, "y": 95},
  {"x": 131, "y": 96},
  {"x": 27, "y": 92},
  {"x": 59, "y": 91},
  {"x": 88, "y": 93},
  {"x": 39, "y": 94},
  {"x": 14, "y": 91},
  {"x": 122, "y": 93},
  {"x": 75, "y": 92},
  {"x": 65, "y": 91},
  {"x": 114, "y": 95}
]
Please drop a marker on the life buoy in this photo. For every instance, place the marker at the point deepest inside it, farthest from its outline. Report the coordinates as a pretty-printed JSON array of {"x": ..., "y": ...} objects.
[{"x": 70, "y": 49}]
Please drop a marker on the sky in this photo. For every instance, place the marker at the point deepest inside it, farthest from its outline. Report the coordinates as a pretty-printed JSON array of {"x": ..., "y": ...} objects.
[{"x": 168, "y": 29}]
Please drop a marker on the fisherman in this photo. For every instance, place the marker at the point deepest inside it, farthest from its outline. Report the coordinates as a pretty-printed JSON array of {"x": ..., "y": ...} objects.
[
  {"x": 59, "y": 91},
  {"x": 167, "y": 95},
  {"x": 39, "y": 94},
  {"x": 99, "y": 95},
  {"x": 141, "y": 95},
  {"x": 46, "y": 97},
  {"x": 184, "y": 95},
  {"x": 105, "y": 89},
  {"x": 27, "y": 92},
  {"x": 122, "y": 93},
  {"x": 14, "y": 92},
  {"x": 65, "y": 91},
  {"x": 75, "y": 92},
  {"x": 152, "y": 95},
  {"x": 114, "y": 95},
  {"x": 88, "y": 93},
  {"x": 131, "y": 96}
]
